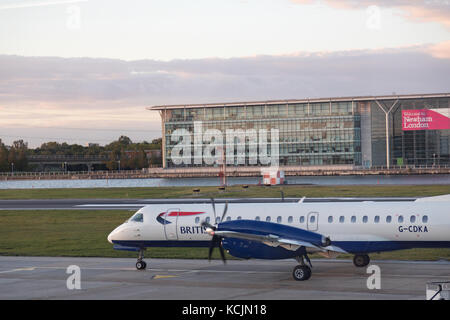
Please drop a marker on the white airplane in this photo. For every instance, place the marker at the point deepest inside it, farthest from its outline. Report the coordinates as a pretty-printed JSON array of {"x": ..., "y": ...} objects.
[{"x": 290, "y": 229}]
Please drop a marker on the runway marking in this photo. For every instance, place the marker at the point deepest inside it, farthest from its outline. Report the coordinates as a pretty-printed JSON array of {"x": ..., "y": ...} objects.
[
  {"x": 163, "y": 277},
  {"x": 19, "y": 269},
  {"x": 221, "y": 271}
]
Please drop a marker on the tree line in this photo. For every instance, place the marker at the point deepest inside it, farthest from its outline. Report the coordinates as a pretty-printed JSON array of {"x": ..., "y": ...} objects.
[
  {"x": 121, "y": 154},
  {"x": 14, "y": 157}
]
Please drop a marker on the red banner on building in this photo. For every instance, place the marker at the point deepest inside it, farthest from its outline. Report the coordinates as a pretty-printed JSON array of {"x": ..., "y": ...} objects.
[{"x": 426, "y": 119}]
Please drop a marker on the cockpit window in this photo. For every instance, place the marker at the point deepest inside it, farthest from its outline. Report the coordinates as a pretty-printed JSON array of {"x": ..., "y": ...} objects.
[{"x": 138, "y": 217}]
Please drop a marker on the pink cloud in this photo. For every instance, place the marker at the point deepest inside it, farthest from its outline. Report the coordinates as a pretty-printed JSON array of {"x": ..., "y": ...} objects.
[
  {"x": 420, "y": 10},
  {"x": 441, "y": 50}
]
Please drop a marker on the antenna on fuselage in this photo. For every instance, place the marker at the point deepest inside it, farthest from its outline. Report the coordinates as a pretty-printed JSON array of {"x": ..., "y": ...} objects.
[{"x": 301, "y": 200}]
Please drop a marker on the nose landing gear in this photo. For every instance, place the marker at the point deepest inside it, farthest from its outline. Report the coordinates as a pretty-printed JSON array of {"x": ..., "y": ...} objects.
[{"x": 141, "y": 264}]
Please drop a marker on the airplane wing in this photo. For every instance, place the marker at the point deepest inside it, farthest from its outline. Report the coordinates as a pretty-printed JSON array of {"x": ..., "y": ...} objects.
[{"x": 274, "y": 234}]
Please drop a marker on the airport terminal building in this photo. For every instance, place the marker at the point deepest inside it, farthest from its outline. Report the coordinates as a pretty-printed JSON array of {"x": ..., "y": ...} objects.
[{"x": 363, "y": 132}]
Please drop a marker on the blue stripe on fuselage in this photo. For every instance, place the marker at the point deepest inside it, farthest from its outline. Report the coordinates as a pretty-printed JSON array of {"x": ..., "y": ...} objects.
[{"x": 253, "y": 249}]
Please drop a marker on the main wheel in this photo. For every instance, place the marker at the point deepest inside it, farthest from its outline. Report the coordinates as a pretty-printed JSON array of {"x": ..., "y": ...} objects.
[
  {"x": 361, "y": 260},
  {"x": 141, "y": 265},
  {"x": 301, "y": 273}
]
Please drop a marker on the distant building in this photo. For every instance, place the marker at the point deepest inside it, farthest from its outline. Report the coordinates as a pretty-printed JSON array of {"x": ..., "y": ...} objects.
[{"x": 328, "y": 132}]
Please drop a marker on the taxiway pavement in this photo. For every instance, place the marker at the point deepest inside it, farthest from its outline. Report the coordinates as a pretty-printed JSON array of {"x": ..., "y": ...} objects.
[{"x": 179, "y": 279}]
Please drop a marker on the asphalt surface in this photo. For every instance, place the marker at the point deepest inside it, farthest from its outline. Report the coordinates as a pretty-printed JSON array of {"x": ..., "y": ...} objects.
[
  {"x": 116, "y": 278},
  {"x": 131, "y": 204}
]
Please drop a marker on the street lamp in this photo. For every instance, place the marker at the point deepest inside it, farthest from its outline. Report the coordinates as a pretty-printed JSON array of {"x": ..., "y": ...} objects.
[{"x": 119, "y": 164}]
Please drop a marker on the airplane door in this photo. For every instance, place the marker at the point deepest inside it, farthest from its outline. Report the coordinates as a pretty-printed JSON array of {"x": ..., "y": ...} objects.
[
  {"x": 170, "y": 226},
  {"x": 313, "y": 221}
]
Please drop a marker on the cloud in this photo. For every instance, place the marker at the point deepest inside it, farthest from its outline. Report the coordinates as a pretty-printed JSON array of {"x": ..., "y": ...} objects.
[
  {"x": 419, "y": 10},
  {"x": 113, "y": 94},
  {"x": 29, "y": 4},
  {"x": 441, "y": 50}
]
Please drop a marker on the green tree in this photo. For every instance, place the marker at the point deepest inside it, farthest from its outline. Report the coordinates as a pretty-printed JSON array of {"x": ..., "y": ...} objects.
[{"x": 4, "y": 165}]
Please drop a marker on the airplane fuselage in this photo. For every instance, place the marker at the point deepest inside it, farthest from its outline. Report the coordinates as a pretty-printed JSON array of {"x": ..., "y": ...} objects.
[{"x": 355, "y": 227}]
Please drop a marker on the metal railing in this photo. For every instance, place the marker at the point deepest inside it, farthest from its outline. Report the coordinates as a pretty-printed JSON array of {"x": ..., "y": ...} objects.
[
  {"x": 216, "y": 170},
  {"x": 66, "y": 158}
]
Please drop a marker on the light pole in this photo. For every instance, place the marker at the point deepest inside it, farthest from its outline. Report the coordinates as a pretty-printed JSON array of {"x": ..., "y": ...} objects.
[
  {"x": 119, "y": 164},
  {"x": 12, "y": 167}
]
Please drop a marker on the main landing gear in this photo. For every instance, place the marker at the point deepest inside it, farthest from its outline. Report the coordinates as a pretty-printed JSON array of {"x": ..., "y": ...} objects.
[
  {"x": 141, "y": 264},
  {"x": 361, "y": 260},
  {"x": 302, "y": 272}
]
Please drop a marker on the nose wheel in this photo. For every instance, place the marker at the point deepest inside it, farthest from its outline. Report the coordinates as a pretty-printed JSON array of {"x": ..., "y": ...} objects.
[{"x": 141, "y": 264}]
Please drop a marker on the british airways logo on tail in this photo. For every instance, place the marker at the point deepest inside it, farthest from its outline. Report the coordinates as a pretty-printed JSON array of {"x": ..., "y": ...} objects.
[{"x": 161, "y": 220}]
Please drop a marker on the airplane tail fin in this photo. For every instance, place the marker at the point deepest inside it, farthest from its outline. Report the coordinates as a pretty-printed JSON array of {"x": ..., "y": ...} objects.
[{"x": 445, "y": 197}]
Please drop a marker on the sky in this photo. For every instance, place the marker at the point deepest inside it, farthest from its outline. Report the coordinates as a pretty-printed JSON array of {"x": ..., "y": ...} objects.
[{"x": 85, "y": 71}]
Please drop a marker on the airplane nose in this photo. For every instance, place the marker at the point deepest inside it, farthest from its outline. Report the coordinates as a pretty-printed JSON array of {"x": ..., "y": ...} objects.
[{"x": 110, "y": 237}]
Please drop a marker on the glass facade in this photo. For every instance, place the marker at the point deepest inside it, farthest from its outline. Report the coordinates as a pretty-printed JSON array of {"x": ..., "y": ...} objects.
[
  {"x": 325, "y": 133},
  {"x": 321, "y": 132}
]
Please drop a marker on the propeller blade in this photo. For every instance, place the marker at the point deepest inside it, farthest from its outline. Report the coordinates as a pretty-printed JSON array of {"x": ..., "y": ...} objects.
[
  {"x": 224, "y": 211},
  {"x": 207, "y": 225},
  {"x": 222, "y": 253},
  {"x": 214, "y": 208},
  {"x": 211, "y": 248}
]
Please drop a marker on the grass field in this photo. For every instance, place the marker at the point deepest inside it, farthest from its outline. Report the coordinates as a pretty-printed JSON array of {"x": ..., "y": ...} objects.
[
  {"x": 83, "y": 233},
  {"x": 232, "y": 192}
]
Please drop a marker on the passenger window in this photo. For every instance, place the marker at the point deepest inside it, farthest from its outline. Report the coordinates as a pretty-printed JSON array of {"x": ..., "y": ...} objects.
[
  {"x": 312, "y": 219},
  {"x": 400, "y": 219},
  {"x": 425, "y": 219},
  {"x": 197, "y": 219},
  {"x": 268, "y": 219},
  {"x": 279, "y": 219},
  {"x": 217, "y": 220},
  {"x": 412, "y": 219},
  {"x": 388, "y": 219},
  {"x": 376, "y": 219},
  {"x": 365, "y": 219},
  {"x": 207, "y": 219},
  {"x": 239, "y": 218},
  {"x": 257, "y": 218},
  {"x": 138, "y": 217},
  {"x": 353, "y": 219},
  {"x": 290, "y": 219},
  {"x": 228, "y": 218},
  {"x": 341, "y": 219},
  {"x": 330, "y": 219},
  {"x": 302, "y": 219}
]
